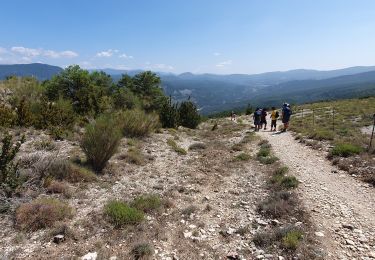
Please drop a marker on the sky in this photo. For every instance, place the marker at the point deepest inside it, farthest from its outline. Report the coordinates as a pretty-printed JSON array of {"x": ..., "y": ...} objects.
[{"x": 198, "y": 36}]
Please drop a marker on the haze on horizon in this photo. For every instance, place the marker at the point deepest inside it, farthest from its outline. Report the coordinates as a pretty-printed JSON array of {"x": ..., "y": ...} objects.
[{"x": 212, "y": 36}]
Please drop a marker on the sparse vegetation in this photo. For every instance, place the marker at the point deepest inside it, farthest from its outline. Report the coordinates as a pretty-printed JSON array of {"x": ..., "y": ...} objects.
[
  {"x": 41, "y": 213},
  {"x": 147, "y": 203},
  {"x": 242, "y": 157},
  {"x": 345, "y": 150},
  {"x": 142, "y": 251},
  {"x": 134, "y": 155},
  {"x": 291, "y": 239},
  {"x": 175, "y": 147},
  {"x": 121, "y": 214},
  {"x": 197, "y": 146}
]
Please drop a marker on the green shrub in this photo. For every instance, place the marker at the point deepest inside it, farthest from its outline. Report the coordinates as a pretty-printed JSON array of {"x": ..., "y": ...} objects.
[
  {"x": 175, "y": 147},
  {"x": 345, "y": 150},
  {"x": 136, "y": 123},
  {"x": 120, "y": 214},
  {"x": 197, "y": 146},
  {"x": 289, "y": 182},
  {"x": 237, "y": 147},
  {"x": 321, "y": 134},
  {"x": 142, "y": 251},
  {"x": 7, "y": 116},
  {"x": 146, "y": 203},
  {"x": 58, "y": 114},
  {"x": 23, "y": 111},
  {"x": 277, "y": 205},
  {"x": 242, "y": 157},
  {"x": 168, "y": 114},
  {"x": 100, "y": 141},
  {"x": 188, "y": 114},
  {"x": 68, "y": 171},
  {"x": 268, "y": 159},
  {"x": 291, "y": 239},
  {"x": 263, "y": 239},
  {"x": 281, "y": 171},
  {"x": 41, "y": 213},
  {"x": 264, "y": 152},
  {"x": 9, "y": 176},
  {"x": 135, "y": 156}
]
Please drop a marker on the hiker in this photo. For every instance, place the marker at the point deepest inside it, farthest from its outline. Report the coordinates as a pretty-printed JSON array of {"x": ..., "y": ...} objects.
[
  {"x": 256, "y": 118},
  {"x": 232, "y": 116},
  {"x": 286, "y": 113},
  {"x": 274, "y": 116},
  {"x": 263, "y": 119}
]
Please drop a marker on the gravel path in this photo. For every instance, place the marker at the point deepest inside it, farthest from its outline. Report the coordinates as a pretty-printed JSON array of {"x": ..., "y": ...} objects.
[{"x": 342, "y": 207}]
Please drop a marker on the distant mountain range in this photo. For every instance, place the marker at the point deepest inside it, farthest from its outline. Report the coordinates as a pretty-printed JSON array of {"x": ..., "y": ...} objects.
[
  {"x": 38, "y": 70},
  {"x": 215, "y": 93}
]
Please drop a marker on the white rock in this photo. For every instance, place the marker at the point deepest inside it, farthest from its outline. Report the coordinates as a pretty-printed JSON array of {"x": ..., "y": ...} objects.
[
  {"x": 349, "y": 242},
  {"x": 90, "y": 256},
  {"x": 319, "y": 234}
]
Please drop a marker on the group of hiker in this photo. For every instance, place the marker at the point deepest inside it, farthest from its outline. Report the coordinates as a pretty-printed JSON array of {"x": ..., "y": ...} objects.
[{"x": 260, "y": 117}]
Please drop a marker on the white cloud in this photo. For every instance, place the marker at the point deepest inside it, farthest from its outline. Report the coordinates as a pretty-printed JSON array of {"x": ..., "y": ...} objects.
[
  {"x": 26, "y": 51},
  {"x": 107, "y": 53},
  {"x": 122, "y": 67},
  {"x": 158, "y": 66},
  {"x": 125, "y": 56},
  {"x": 62, "y": 54},
  {"x": 29, "y": 52},
  {"x": 3, "y": 50},
  {"x": 216, "y": 53},
  {"x": 224, "y": 63},
  {"x": 163, "y": 66}
]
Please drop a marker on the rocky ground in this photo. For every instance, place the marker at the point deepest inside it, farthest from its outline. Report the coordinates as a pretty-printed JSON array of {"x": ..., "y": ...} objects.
[{"x": 210, "y": 202}]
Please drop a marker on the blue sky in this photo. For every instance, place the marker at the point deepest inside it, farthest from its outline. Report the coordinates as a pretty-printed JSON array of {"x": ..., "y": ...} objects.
[{"x": 217, "y": 36}]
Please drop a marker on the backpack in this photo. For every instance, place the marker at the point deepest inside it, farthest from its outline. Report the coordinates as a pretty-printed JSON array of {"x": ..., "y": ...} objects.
[{"x": 277, "y": 114}]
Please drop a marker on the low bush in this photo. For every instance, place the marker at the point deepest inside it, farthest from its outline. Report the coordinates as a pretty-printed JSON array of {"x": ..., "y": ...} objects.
[
  {"x": 291, "y": 240},
  {"x": 237, "y": 147},
  {"x": 41, "y": 213},
  {"x": 197, "y": 146},
  {"x": 281, "y": 171},
  {"x": 321, "y": 134},
  {"x": 9, "y": 174},
  {"x": 100, "y": 141},
  {"x": 268, "y": 159},
  {"x": 242, "y": 157},
  {"x": 264, "y": 152},
  {"x": 121, "y": 214},
  {"x": 189, "y": 210},
  {"x": 45, "y": 145},
  {"x": 263, "y": 239},
  {"x": 278, "y": 205},
  {"x": 345, "y": 150},
  {"x": 135, "y": 156},
  {"x": 7, "y": 116},
  {"x": 175, "y": 147},
  {"x": 137, "y": 123},
  {"x": 289, "y": 182},
  {"x": 58, "y": 187},
  {"x": 146, "y": 203},
  {"x": 142, "y": 251},
  {"x": 61, "y": 169}
]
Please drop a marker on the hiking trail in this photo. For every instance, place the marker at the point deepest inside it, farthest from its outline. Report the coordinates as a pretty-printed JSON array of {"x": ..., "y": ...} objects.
[{"x": 341, "y": 207}]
